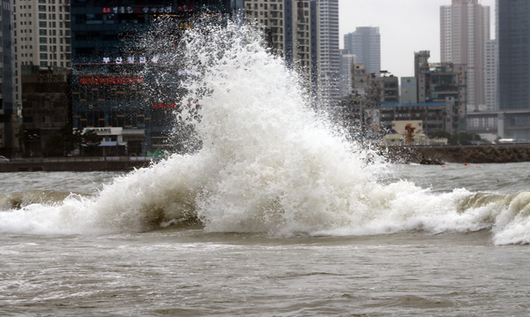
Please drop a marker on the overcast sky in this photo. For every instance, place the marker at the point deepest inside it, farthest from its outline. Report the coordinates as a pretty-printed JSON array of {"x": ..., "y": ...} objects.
[{"x": 406, "y": 26}]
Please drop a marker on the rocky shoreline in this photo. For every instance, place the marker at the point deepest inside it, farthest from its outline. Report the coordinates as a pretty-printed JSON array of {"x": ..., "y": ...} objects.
[{"x": 457, "y": 154}]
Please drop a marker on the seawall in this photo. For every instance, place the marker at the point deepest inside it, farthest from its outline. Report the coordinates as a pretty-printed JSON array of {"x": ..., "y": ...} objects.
[
  {"x": 74, "y": 164},
  {"x": 397, "y": 154},
  {"x": 458, "y": 154}
]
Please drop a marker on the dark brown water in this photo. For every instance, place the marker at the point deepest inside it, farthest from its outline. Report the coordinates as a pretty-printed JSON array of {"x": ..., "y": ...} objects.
[{"x": 185, "y": 270}]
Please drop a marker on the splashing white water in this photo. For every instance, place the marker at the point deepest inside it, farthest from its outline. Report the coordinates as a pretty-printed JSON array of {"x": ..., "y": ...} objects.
[{"x": 268, "y": 163}]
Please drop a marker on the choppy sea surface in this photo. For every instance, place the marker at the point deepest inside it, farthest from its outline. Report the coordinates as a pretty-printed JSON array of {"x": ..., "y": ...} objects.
[
  {"x": 185, "y": 270},
  {"x": 276, "y": 213}
]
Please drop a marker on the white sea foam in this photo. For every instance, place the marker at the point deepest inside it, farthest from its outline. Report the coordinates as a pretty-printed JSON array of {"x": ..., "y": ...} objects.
[{"x": 268, "y": 163}]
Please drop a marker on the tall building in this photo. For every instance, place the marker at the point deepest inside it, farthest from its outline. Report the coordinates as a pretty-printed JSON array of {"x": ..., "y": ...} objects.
[
  {"x": 114, "y": 75},
  {"x": 514, "y": 65},
  {"x": 464, "y": 30},
  {"x": 346, "y": 68},
  {"x": 306, "y": 34},
  {"x": 442, "y": 83},
  {"x": 514, "y": 54},
  {"x": 291, "y": 31},
  {"x": 9, "y": 112},
  {"x": 42, "y": 36},
  {"x": 329, "y": 52},
  {"x": 490, "y": 75},
  {"x": 46, "y": 107},
  {"x": 365, "y": 44}
]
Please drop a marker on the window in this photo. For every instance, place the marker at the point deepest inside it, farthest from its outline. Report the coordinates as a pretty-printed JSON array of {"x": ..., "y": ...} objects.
[
  {"x": 43, "y": 32},
  {"x": 43, "y": 56},
  {"x": 42, "y": 8},
  {"x": 42, "y": 16},
  {"x": 43, "y": 48},
  {"x": 43, "y": 40}
]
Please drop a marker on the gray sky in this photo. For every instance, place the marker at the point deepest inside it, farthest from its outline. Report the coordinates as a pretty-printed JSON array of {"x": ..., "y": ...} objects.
[{"x": 406, "y": 26}]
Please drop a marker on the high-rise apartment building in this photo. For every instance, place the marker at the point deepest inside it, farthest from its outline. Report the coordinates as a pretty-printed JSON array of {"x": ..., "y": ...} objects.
[
  {"x": 9, "y": 143},
  {"x": 329, "y": 52},
  {"x": 464, "y": 30},
  {"x": 365, "y": 44},
  {"x": 291, "y": 31},
  {"x": 490, "y": 75},
  {"x": 306, "y": 34},
  {"x": 42, "y": 35},
  {"x": 346, "y": 68}
]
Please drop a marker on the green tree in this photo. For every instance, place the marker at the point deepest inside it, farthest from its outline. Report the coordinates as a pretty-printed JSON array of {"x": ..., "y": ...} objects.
[
  {"x": 68, "y": 139},
  {"x": 440, "y": 135},
  {"x": 464, "y": 138},
  {"x": 91, "y": 141},
  {"x": 63, "y": 141}
]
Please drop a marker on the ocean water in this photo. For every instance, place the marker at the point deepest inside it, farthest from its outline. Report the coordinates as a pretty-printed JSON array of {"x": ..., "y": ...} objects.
[{"x": 276, "y": 214}]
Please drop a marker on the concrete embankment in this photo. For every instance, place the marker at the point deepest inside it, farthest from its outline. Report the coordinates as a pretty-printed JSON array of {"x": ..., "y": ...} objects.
[
  {"x": 77, "y": 164},
  {"x": 459, "y": 154},
  {"x": 398, "y": 154}
]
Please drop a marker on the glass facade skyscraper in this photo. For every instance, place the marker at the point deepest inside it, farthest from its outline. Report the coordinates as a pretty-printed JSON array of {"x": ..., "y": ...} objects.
[
  {"x": 514, "y": 54},
  {"x": 114, "y": 70},
  {"x": 514, "y": 63},
  {"x": 365, "y": 44},
  {"x": 8, "y": 108}
]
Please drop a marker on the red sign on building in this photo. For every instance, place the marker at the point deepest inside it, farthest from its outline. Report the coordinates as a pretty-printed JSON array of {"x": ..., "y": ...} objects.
[
  {"x": 110, "y": 80},
  {"x": 106, "y": 10}
]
